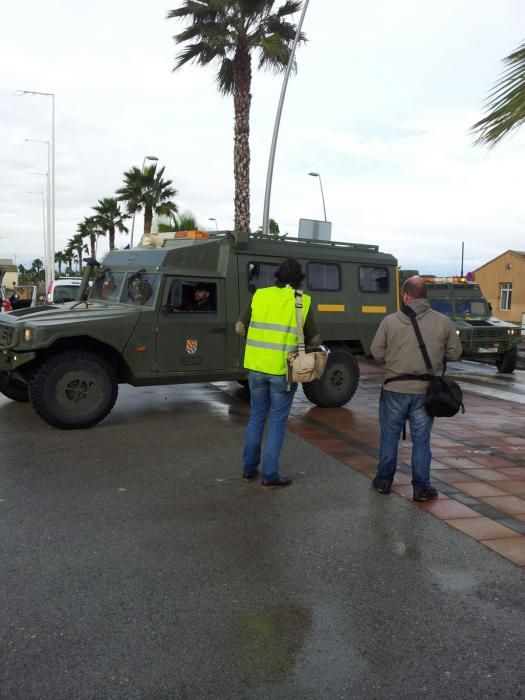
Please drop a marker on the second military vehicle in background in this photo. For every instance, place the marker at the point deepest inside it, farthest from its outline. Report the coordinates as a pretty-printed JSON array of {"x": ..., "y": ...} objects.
[{"x": 484, "y": 337}]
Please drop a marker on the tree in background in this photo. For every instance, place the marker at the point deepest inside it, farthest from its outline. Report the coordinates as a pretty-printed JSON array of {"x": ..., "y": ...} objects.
[
  {"x": 37, "y": 270},
  {"x": 91, "y": 229},
  {"x": 109, "y": 218},
  {"x": 60, "y": 259},
  {"x": 506, "y": 102},
  {"x": 76, "y": 248},
  {"x": 146, "y": 189},
  {"x": 273, "y": 229},
  {"x": 185, "y": 221},
  {"x": 227, "y": 32}
]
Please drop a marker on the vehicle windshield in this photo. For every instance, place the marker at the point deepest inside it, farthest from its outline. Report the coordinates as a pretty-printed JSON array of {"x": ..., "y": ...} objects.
[
  {"x": 137, "y": 288},
  {"x": 471, "y": 308},
  {"x": 444, "y": 306},
  {"x": 461, "y": 308},
  {"x": 107, "y": 286},
  {"x": 63, "y": 293}
]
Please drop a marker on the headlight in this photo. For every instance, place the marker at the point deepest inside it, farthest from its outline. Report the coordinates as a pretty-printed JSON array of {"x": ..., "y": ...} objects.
[
  {"x": 28, "y": 335},
  {"x": 458, "y": 332}
]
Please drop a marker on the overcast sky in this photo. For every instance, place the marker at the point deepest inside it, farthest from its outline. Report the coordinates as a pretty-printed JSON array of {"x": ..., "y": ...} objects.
[{"x": 380, "y": 107}]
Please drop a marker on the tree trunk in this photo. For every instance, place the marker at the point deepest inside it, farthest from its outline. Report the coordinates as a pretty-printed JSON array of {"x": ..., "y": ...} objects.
[
  {"x": 112, "y": 238},
  {"x": 93, "y": 245},
  {"x": 242, "y": 75},
  {"x": 148, "y": 218}
]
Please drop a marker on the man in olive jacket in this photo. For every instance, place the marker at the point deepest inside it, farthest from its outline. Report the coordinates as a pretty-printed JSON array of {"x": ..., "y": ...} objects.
[{"x": 396, "y": 346}]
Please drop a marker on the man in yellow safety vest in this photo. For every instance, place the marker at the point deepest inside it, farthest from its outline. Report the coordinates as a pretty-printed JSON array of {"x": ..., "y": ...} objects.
[{"x": 272, "y": 334}]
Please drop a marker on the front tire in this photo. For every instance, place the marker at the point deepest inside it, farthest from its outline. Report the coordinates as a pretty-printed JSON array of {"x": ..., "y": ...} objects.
[
  {"x": 14, "y": 389},
  {"x": 73, "y": 389},
  {"x": 506, "y": 364},
  {"x": 338, "y": 383}
]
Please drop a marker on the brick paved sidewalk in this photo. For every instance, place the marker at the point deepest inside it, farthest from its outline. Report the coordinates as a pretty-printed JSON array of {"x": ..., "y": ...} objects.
[{"x": 478, "y": 463}]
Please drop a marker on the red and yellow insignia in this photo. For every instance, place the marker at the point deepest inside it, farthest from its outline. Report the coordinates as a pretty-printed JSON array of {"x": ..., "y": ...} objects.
[{"x": 191, "y": 346}]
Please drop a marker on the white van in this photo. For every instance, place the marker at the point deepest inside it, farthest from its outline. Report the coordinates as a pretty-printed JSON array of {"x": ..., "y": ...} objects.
[{"x": 63, "y": 290}]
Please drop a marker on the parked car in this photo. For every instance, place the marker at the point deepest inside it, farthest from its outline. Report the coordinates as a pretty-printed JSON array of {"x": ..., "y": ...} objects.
[
  {"x": 5, "y": 304},
  {"x": 62, "y": 290}
]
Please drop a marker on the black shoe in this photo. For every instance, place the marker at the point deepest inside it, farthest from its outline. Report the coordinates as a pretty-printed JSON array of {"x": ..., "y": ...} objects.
[
  {"x": 381, "y": 486},
  {"x": 279, "y": 481},
  {"x": 427, "y": 494},
  {"x": 250, "y": 476}
]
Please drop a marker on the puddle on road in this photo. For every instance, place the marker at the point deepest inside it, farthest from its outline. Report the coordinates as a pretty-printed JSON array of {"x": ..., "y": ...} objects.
[{"x": 269, "y": 642}]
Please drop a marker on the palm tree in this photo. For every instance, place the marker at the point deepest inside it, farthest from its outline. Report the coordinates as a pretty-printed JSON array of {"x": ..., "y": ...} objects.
[
  {"x": 185, "y": 221},
  {"x": 506, "y": 102},
  {"x": 76, "y": 247},
  {"x": 60, "y": 259},
  {"x": 91, "y": 229},
  {"x": 228, "y": 31},
  {"x": 109, "y": 218},
  {"x": 145, "y": 189}
]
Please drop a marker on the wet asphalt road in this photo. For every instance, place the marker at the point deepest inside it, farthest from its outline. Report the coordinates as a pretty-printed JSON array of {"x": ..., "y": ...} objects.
[{"x": 135, "y": 564}]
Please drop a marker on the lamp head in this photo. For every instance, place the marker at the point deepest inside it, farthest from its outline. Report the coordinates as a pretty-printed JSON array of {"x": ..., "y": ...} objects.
[{"x": 314, "y": 174}]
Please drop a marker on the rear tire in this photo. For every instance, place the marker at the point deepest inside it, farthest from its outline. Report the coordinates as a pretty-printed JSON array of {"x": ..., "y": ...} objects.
[
  {"x": 338, "y": 383},
  {"x": 506, "y": 364},
  {"x": 73, "y": 389},
  {"x": 14, "y": 389}
]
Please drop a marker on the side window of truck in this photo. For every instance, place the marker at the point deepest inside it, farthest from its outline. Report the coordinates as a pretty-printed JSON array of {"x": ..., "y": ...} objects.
[
  {"x": 261, "y": 274},
  {"x": 373, "y": 279},
  {"x": 323, "y": 277},
  {"x": 192, "y": 296}
]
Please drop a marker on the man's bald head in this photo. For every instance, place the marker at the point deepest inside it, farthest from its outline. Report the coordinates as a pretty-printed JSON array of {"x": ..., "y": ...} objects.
[{"x": 415, "y": 288}]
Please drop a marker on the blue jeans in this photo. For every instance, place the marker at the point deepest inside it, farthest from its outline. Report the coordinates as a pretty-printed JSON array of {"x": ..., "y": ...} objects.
[
  {"x": 268, "y": 396},
  {"x": 394, "y": 410}
]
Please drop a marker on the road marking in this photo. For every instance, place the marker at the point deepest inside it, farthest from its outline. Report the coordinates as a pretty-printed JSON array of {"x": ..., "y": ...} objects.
[{"x": 493, "y": 393}]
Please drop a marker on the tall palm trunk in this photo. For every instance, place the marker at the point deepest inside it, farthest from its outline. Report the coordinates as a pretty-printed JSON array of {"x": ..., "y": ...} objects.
[
  {"x": 93, "y": 244},
  {"x": 242, "y": 74},
  {"x": 148, "y": 218}
]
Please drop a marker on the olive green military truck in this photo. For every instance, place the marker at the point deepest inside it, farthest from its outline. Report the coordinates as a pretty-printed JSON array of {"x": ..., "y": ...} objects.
[
  {"x": 484, "y": 337},
  {"x": 140, "y": 322}
]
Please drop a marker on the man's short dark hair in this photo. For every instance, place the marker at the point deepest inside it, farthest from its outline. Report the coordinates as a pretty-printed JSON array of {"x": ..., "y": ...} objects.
[
  {"x": 415, "y": 287},
  {"x": 201, "y": 287},
  {"x": 289, "y": 272}
]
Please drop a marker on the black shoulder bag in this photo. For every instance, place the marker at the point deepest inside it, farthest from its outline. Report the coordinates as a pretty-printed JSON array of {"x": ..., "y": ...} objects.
[{"x": 444, "y": 397}]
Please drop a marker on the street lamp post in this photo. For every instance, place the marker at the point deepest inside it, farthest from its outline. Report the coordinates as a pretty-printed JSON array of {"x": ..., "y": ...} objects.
[
  {"x": 271, "y": 159},
  {"x": 46, "y": 241},
  {"x": 322, "y": 193},
  {"x": 212, "y": 218},
  {"x": 51, "y": 169},
  {"x": 134, "y": 213},
  {"x": 49, "y": 248}
]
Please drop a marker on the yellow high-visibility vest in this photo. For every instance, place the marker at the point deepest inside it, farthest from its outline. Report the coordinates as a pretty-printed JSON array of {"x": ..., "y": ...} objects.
[{"x": 272, "y": 332}]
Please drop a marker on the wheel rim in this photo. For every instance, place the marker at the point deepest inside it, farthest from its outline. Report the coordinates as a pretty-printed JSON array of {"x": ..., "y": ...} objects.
[
  {"x": 338, "y": 378},
  {"x": 78, "y": 391}
]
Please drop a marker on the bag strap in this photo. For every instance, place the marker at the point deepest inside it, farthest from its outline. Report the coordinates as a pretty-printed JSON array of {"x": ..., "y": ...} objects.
[
  {"x": 299, "y": 318},
  {"x": 412, "y": 316}
]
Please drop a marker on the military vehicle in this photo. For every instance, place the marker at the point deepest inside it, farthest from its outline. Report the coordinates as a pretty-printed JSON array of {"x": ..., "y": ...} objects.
[
  {"x": 484, "y": 337},
  {"x": 138, "y": 323}
]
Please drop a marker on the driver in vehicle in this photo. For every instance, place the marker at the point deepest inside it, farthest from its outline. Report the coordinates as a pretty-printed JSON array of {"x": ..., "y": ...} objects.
[{"x": 201, "y": 299}]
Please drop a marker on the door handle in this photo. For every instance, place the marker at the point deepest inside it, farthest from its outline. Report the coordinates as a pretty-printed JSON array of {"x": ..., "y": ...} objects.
[{"x": 217, "y": 330}]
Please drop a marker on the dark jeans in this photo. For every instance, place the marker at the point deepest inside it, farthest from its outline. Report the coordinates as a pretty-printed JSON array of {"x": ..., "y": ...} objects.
[
  {"x": 394, "y": 410},
  {"x": 268, "y": 396}
]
